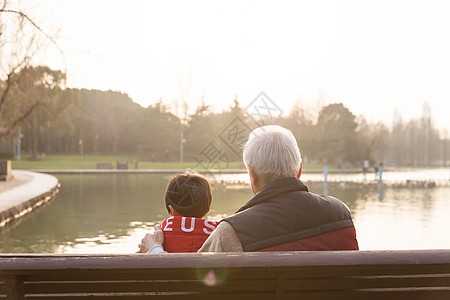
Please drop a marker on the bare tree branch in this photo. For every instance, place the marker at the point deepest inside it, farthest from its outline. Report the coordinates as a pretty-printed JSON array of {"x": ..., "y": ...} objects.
[
  {"x": 20, "y": 65},
  {"x": 32, "y": 23},
  {"x": 8, "y": 80},
  {"x": 13, "y": 70},
  {"x": 18, "y": 120}
]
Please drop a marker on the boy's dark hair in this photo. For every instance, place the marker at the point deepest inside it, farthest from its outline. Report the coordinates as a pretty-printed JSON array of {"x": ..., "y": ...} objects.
[{"x": 189, "y": 194}]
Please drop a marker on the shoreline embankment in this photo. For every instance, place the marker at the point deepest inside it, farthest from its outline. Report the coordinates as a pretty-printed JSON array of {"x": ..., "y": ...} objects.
[{"x": 26, "y": 191}]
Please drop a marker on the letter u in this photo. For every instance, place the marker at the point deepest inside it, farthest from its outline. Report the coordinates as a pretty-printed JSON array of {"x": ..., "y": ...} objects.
[{"x": 183, "y": 225}]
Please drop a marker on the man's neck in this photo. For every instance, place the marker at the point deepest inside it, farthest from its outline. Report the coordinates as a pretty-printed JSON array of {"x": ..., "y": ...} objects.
[{"x": 258, "y": 186}]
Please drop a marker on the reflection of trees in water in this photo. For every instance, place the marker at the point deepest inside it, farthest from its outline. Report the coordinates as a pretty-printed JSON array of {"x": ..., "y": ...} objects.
[
  {"x": 357, "y": 197},
  {"x": 13, "y": 235},
  {"x": 229, "y": 201},
  {"x": 423, "y": 201},
  {"x": 352, "y": 196}
]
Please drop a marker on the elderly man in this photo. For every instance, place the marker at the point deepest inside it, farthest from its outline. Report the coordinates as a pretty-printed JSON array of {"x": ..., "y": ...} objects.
[{"x": 283, "y": 215}]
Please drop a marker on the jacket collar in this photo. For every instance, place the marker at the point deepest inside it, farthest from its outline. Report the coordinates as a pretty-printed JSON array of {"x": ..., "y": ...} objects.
[{"x": 274, "y": 188}]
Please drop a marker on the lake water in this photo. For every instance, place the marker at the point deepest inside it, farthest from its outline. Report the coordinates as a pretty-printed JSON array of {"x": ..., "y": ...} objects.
[{"x": 108, "y": 213}]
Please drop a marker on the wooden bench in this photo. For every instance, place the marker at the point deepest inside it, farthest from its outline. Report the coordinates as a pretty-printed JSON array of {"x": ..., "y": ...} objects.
[
  {"x": 264, "y": 275},
  {"x": 104, "y": 165},
  {"x": 122, "y": 164}
]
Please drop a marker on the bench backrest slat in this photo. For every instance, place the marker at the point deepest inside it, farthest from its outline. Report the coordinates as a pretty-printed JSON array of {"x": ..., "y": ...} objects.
[{"x": 278, "y": 275}]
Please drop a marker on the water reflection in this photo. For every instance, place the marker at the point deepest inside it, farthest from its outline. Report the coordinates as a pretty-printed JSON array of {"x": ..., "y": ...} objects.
[
  {"x": 380, "y": 191},
  {"x": 110, "y": 213}
]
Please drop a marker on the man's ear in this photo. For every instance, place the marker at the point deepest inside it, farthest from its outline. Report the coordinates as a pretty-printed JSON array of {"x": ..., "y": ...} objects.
[
  {"x": 250, "y": 171},
  {"x": 253, "y": 178},
  {"x": 300, "y": 171},
  {"x": 173, "y": 212}
]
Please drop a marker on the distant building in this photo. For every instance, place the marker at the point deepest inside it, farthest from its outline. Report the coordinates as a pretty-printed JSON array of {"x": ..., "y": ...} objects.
[{"x": 397, "y": 118}]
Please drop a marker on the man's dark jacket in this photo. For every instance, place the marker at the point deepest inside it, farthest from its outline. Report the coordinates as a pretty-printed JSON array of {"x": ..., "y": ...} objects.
[{"x": 284, "y": 216}]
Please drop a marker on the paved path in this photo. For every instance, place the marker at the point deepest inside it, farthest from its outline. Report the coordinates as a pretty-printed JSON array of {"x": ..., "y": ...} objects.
[
  {"x": 19, "y": 179},
  {"x": 20, "y": 194},
  {"x": 174, "y": 171}
]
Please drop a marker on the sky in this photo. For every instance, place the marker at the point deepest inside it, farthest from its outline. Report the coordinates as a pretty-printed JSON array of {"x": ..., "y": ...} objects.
[{"x": 373, "y": 56}]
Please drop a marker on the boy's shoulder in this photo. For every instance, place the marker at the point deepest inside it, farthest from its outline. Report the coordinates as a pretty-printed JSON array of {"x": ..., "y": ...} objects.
[{"x": 179, "y": 224}]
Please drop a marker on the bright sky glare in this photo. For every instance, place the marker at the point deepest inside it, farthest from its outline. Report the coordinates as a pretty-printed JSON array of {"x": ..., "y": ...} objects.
[{"x": 374, "y": 56}]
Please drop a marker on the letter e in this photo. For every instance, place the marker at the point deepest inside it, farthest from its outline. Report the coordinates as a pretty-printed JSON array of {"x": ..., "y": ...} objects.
[{"x": 168, "y": 223}]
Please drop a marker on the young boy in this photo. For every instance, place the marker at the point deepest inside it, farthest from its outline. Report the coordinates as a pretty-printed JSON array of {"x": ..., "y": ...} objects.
[{"x": 188, "y": 199}]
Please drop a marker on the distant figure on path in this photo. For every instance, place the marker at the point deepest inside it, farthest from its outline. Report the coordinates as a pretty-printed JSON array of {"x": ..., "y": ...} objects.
[
  {"x": 166, "y": 155},
  {"x": 283, "y": 215}
]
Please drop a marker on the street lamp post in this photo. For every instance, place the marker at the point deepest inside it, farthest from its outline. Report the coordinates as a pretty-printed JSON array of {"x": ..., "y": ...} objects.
[
  {"x": 19, "y": 139},
  {"x": 181, "y": 145}
]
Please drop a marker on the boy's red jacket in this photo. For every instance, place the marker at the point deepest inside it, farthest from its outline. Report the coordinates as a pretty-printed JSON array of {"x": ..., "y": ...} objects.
[{"x": 186, "y": 234}]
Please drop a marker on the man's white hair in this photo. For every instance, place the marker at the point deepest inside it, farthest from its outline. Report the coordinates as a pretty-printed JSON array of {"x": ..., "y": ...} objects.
[{"x": 272, "y": 152}]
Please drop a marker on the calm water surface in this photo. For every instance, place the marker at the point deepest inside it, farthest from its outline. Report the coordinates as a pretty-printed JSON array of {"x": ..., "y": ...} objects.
[{"x": 110, "y": 214}]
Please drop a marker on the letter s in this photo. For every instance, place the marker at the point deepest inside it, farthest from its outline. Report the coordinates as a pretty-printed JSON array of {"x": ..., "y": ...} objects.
[{"x": 211, "y": 225}]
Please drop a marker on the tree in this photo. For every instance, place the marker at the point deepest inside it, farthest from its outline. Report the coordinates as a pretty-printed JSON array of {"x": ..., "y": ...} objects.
[
  {"x": 35, "y": 92},
  {"x": 158, "y": 133},
  {"x": 336, "y": 134},
  {"x": 19, "y": 42},
  {"x": 373, "y": 140},
  {"x": 301, "y": 122}
]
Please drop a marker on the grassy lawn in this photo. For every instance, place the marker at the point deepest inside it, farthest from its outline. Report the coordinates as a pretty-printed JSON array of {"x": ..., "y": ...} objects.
[{"x": 89, "y": 162}]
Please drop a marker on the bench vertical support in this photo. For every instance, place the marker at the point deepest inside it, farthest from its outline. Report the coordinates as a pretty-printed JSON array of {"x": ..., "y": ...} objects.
[
  {"x": 14, "y": 288},
  {"x": 280, "y": 286}
]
